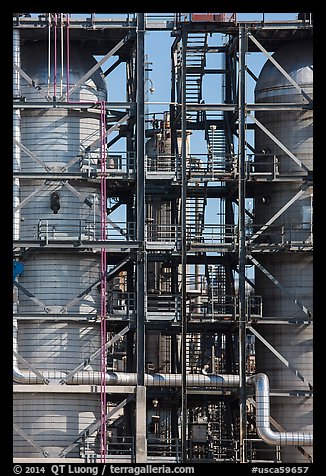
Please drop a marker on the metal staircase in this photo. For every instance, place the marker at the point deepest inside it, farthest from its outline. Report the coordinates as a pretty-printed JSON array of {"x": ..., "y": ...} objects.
[
  {"x": 195, "y": 217},
  {"x": 216, "y": 145},
  {"x": 217, "y": 289},
  {"x": 195, "y": 64}
]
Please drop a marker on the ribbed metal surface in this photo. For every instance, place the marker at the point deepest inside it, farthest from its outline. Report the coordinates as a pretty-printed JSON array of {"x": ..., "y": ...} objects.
[
  {"x": 56, "y": 136},
  {"x": 58, "y": 345},
  {"x": 293, "y": 270},
  {"x": 72, "y": 209},
  {"x": 52, "y": 421},
  {"x": 56, "y": 279}
]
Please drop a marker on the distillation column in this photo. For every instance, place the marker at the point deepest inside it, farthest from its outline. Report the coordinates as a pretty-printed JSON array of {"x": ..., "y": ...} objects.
[
  {"x": 58, "y": 210},
  {"x": 293, "y": 269}
]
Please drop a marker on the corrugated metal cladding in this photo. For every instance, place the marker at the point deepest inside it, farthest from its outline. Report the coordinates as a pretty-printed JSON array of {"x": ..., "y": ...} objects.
[
  {"x": 293, "y": 269},
  {"x": 52, "y": 421},
  {"x": 57, "y": 136}
]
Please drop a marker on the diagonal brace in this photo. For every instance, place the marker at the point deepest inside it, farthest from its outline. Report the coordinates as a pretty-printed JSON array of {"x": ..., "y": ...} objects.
[
  {"x": 90, "y": 204},
  {"x": 29, "y": 80},
  {"x": 279, "y": 67},
  {"x": 30, "y": 366},
  {"x": 279, "y": 213},
  {"x": 279, "y": 143},
  {"x": 31, "y": 296},
  {"x": 280, "y": 286},
  {"x": 108, "y": 275},
  {"x": 94, "y": 145},
  {"x": 31, "y": 154},
  {"x": 89, "y": 73},
  {"x": 33, "y": 194},
  {"x": 280, "y": 357},
  {"x": 30, "y": 440},
  {"x": 87, "y": 361},
  {"x": 94, "y": 426}
]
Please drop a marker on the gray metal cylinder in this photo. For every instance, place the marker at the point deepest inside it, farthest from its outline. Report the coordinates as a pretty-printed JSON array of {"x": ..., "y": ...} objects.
[
  {"x": 292, "y": 269},
  {"x": 56, "y": 136}
]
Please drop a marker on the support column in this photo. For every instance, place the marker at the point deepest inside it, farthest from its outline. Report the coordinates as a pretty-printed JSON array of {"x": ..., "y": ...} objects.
[
  {"x": 242, "y": 238},
  {"x": 141, "y": 456},
  {"x": 184, "y": 251}
]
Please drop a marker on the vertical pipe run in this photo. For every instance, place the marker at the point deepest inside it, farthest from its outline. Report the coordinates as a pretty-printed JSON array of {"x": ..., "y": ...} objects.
[
  {"x": 55, "y": 59},
  {"x": 61, "y": 50},
  {"x": 141, "y": 456},
  {"x": 241, "y": 240},
  {"x": 49, "y": 52},
  {"x": 184, "y": 249},
  {"x": 68, "y": 58},
  {"x": 16, "y": 134},
  {"x": 103, "y": 281}
]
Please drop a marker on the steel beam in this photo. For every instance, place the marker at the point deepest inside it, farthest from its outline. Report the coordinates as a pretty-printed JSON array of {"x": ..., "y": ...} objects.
[
  {"x": 280, "y": 357},
  {"x": 94, "y": 426},
  {"x": 35, "y": 192},
  {"x": 279, "y": 67},
  {"x": 30, "y": 366},
  {"x": 89, "y": 73},
  {"x": 242, "y": 237},
  {"x": 95, "y": 145},
  {"x": 279, "y": 143},
  {"x": 93, "y": 356},
  {"x": 141, "y": 450},
  {"x": 279, "y": 213},
  {"x": 108, "y": 275},
  {"x": 31, "y": 154},
  {"x": 280, "y": 286},
  {"x": 29, "y": 80},
  {"x": 31, "y": 296},
  {"x": 184, "y": 248},
  {"x": 30, "y": 440}
]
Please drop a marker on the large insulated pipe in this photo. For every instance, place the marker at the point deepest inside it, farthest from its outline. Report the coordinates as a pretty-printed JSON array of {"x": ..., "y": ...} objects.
[
  {"x": 260, "y": 381},
  {"x": 264, "y": 430}
]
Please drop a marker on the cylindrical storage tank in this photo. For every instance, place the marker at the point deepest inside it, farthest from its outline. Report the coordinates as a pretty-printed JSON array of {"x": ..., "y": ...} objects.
[
  {"x": 57, "y": 136},
  {"x": 293, "y": 269},
  {"x": 52, "y": 421}
]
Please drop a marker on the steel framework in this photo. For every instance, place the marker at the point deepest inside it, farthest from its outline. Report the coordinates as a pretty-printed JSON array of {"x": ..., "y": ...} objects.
[{"x": 176, "y": 282}]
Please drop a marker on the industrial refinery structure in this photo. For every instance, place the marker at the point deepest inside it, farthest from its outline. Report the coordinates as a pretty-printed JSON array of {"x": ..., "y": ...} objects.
[{"x": 145, "y": 326}]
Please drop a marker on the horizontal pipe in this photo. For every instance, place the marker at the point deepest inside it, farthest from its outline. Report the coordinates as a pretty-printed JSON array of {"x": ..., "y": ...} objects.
[
  {"x": 259, "y": 381},
  {"x": 263, "y": 427}
]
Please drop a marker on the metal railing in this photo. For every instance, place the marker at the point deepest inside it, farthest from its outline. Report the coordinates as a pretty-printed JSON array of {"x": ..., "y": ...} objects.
[
  {"x": 121, "y": 303},
  {"x": 223, "y": 306},
  {"x": 117, "y": 165},
  {"x": 124, "y": 304},
  {"x": 221, "y": 449},
  {"x": 164, "y": 304},
  {"x": 52, "y": 229},
  {"x": 213, "y": 234},
  {"x": 290, "y": 234},
  {"x": 118, "y": 447},
  {"x": 161, "y": 163},
  {"x": 166, "y": 449},
  {"x": 162, "y": 233},
  {"x": 257, "y": 450}
]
